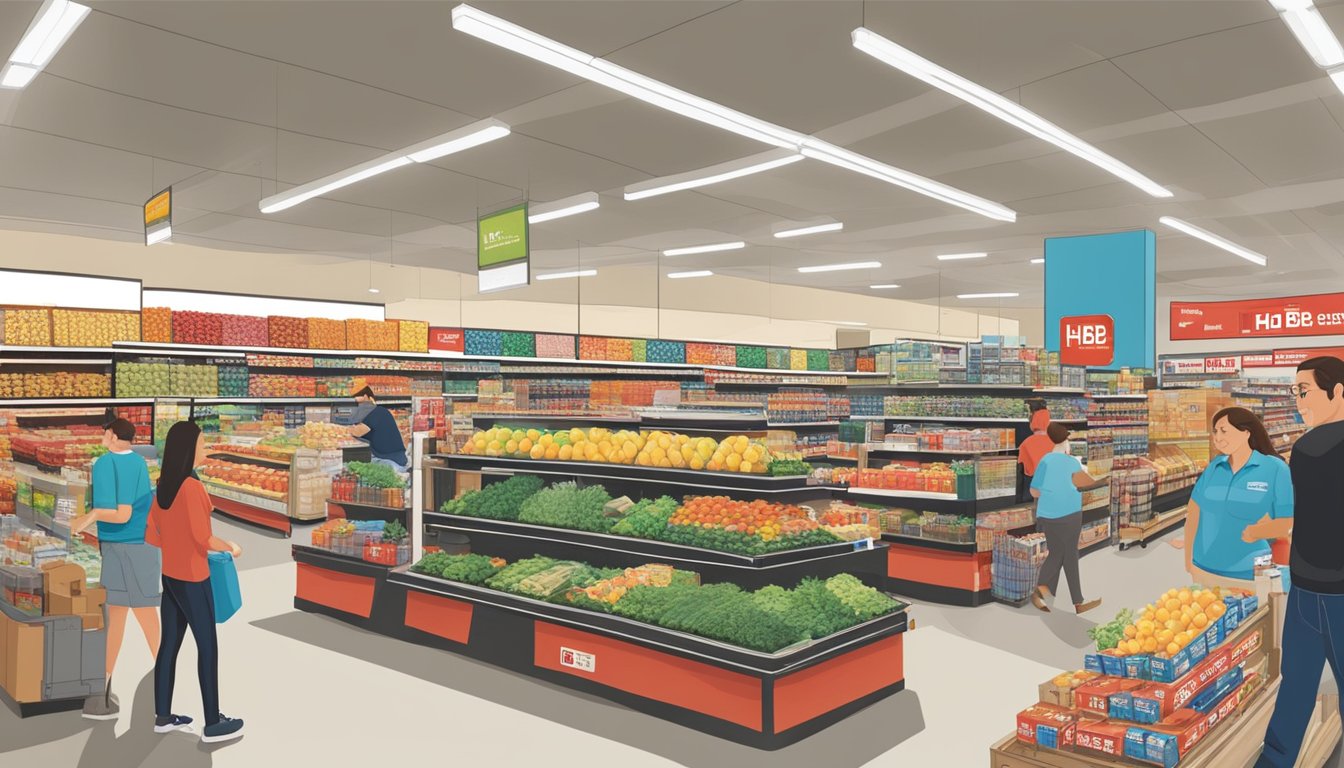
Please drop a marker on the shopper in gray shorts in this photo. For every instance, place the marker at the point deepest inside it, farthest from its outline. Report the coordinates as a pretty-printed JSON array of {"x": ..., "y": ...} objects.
[{"x": 122, "y": 496}]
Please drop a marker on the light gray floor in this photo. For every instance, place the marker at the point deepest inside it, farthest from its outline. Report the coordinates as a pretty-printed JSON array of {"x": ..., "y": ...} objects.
[{"x": 315, "y": 691}]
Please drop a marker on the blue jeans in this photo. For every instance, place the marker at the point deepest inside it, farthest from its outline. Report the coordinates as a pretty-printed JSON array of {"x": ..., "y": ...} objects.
[
  {"x": 1309, "y": 641},
  {"x": 187, "y": 604},
  {"x": 389, "y": 463}
]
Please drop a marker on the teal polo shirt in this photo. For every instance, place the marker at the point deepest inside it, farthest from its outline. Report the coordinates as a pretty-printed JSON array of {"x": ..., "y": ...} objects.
[
  {"x": 1054, "y": 479},
  {"x": 1228, "y": 502},
  {"x": 122, "y": 478}
]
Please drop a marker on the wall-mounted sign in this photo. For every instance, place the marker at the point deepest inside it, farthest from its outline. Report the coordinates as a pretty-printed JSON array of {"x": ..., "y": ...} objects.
[
  {"x": 447, "y": 339},
  {"x": 1087, "y": 340},
  {"x": 502, "y": 249},
  {"x": 1258, "y": 361},
  {"x": 1316, "y": 315},
  {"x": 1222, "y": 364},
  {"x": 1182, "y": 366},
  {"x": 1292, "y": 357},
  {"x": 159, "y": 217},
  {"x": 1113, "y": 274}
]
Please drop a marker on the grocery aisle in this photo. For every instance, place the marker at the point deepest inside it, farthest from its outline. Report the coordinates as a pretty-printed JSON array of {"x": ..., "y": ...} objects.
[{"x": 317, "y": 691}]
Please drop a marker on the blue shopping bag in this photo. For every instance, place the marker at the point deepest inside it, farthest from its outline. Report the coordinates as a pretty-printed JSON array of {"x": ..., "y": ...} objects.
[{"x": 224, "y": 585}]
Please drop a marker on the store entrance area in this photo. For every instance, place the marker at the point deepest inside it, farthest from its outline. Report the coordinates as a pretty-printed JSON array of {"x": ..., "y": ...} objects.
[{"x": 311, "y": 682}]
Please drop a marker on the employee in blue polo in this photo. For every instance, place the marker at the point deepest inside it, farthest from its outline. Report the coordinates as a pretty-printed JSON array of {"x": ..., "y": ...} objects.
[{"x": 1242, "y": 502}]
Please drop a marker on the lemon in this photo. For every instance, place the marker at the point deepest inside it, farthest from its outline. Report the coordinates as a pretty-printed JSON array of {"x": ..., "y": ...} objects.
[
  {"x": 566, "y": 451},
  {"x": 697, "y": 463},
  {"x": 546, "y": 440},
  {"x": 525, "y": 445},
  {"x": 733, "y": 462},
  {"x": 745, "y": 466},
  {"x": 551, "y": 451},
  {"x": 538, "y": 451},
  {"x": 533, "y": 435},
  {"x": 751, "y": 455},
  {"x": 511, "y": 447}
]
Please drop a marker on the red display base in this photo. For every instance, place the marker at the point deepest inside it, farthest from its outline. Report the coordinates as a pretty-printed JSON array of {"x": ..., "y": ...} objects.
[
  {"x": 250, "y": 514},
  {"x": 936, "y": 575}
]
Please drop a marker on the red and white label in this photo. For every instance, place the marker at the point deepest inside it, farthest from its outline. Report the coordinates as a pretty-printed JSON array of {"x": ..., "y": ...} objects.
[
  {"x": 1222, "y": 364},
  {"x": 447, "y": 339},
  {"x": 584, "y": 662},
  {"x": 1257, "y": 361},
  {"x": 1087, "y": 340},
  {"x": 1316, "y": 315}
]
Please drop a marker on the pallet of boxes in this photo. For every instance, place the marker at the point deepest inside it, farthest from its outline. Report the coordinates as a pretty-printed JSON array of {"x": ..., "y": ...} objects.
[
  {"x": 53, "y": 661},
  {"x": 1190, "y": 680}
]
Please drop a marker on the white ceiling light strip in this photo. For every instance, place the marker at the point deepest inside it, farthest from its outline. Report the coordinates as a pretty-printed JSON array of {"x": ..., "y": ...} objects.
[
  {"x": 977, "y": 95},
  {"x": 713, "y": 248},
  {"x": 1039, "y": 260},
  {"x": 522, "y": 41},
  {"x": 733, "y": 169},
  {"x": 692, "y": 273},
  {"x": 843, "y": 322},
  {"x": 962, "y": 256},
  {"x": 1311, "y": 30},
  {"x": 53, "y": 25},
  {"x": 449, "y": 143},
  {"x": 987, "y": 295},
  {"x": 559, "y": 209},
  {"x": 564, "y": 275},
  {"x": 841, "y": 267},
  {"x": 800, "y": 229},
  {"x": 1215, "y": 240},
  {"x": 883, "y": 286}
]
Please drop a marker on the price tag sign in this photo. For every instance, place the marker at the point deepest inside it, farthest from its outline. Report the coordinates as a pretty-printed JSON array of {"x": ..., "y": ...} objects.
[{"x": 584, "y": 662}]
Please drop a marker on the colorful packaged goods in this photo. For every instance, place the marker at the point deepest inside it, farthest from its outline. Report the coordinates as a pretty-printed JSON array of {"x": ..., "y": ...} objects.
[
  {"x": 272, "y": 385},
  {"x": 413, "y": 336},
  {"x": 322, "y": 333},
  {"x": 198, "y": 328},
  {"x": 244, "y": 331},
  {"x": 156, "y": 324},
  {"x": 551, "y": 345},
  {"x": 518, "y": 344},
  {"x": 55, "y": 384},
  {"x": 193, "y": 380},
  {"x": 27, "y": 327},
  {"x": 83, "y": 328},
  {"x": 1046, "y": 726},
  {"x": 143, "y": 380},
  {"x": 288, "y": 332},
  {"x": 660, "y": 351},
  {"x": 483, "y": 343},
  {"x": 593, "y": 348}
]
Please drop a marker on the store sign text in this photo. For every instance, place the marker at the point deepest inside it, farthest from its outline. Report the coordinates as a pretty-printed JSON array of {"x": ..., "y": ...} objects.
[
  {"x": 1087, "y": 340},
  {"x": 1316, "y": 315},
  {"x": 1222, "y": 364},
  {"x": 447, "y": 339}
]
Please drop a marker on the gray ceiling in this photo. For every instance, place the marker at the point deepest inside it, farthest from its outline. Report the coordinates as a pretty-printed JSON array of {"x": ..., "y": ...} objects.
[{"x": 1213, "y": 99}]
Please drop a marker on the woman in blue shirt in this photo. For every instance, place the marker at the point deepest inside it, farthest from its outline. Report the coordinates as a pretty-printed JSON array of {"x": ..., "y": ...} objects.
[
  {"x": 1057, "y": 486},
  {"x": 1242, "y": 502}
]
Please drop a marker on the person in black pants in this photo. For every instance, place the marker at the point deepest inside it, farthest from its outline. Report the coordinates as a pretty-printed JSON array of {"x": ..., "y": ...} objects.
[{"x": 179, "y": 524}]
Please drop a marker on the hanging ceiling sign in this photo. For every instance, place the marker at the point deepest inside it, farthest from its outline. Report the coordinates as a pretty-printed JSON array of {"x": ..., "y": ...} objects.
[
  {"x": 502, "y": 250},
  {"x": 159, "y": 217},
  {"x": 1316, "y": 315}
]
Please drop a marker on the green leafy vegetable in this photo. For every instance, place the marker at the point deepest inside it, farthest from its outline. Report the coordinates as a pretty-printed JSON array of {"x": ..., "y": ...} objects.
[
  {"x": 1107, "y": 636},
  {"x": 566, "y": 505},
  {"x": 376, "y": 475},
  {"x": 497, "y": 501}
]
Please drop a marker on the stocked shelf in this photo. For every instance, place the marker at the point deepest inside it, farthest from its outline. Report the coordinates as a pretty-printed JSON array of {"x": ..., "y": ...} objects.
[
  {"x": 726, "y": 481},
  {"x": 931, "y": 502}
]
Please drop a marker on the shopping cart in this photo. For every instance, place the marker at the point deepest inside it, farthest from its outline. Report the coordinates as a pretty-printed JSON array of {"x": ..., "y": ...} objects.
[{"x": 1016, "y": 566}]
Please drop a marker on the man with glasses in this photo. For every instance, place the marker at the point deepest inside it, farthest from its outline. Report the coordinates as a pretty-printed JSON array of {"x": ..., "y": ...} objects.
[{"x": 1313, "y": 630}]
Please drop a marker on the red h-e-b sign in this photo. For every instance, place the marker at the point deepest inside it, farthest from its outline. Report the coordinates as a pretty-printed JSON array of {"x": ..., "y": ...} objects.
[
  {"x": 447, "y": 339},
  {"x": 1087, "y": 340}
]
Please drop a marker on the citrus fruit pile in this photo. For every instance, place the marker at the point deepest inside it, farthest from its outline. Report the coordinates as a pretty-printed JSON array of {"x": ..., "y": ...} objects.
[
  {"x": 667, "y": 450},
  {"x": 1172, "y": 622},
  {"x": 754, "y": 518}
]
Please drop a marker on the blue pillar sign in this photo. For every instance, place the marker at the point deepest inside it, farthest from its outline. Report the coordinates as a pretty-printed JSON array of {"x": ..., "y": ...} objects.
[{"x": 1114, "y": 275}]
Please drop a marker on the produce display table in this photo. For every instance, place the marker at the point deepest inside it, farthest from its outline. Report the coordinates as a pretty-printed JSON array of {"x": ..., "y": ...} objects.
[
  {"x": 346, "y": 588},
  {"x": 513, "y": 541},
  {"x": 763, "y": 700}
]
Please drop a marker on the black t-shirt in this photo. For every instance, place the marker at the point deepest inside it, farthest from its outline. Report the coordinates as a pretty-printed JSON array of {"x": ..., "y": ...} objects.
[
  {"x": 384, "y": 438},
  {"x": 1317, "y": 464}
]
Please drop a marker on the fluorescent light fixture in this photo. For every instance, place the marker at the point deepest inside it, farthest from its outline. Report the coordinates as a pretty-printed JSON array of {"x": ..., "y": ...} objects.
[
  {"x": 853, "y": 161},
  {"x": 814, "y": 229},
  {"x": 374, "y": 290},
  {"x": 843, "y": 322},
  {"x": 1014, "y": 114},
  {"x": 159, "y": 235},
  {"x": 1038, "y": 261},
  {"x": 882, "y": 286},
  {"x": 261, "y": 306},
  {"x": 463, "y": 138},
  {"x": 1311, "y": 30},
  {"x": 693, "y": 273},
  {"x": 558, "y": 209},
  {"x": 961, "y": 256},
  {"x": 53, "y": 25},
  {"x": 1215, "y": 240},
  {"x": 842, "y": 267},
  {"x": 1337, "y": 76},
  {"x": 563, "y": 275},
  {"x": 714, "y": 248},
  {"x": 733, "y": 169},
  {"x": 987, "y": 295},
  {"x": 493, "y": 29}
]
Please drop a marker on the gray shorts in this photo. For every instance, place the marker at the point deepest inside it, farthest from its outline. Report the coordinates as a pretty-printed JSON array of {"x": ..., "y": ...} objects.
[{"x": 132, "y": 574}]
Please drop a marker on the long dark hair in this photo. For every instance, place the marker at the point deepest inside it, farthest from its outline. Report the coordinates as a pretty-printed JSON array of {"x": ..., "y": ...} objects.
[
  {"x": 179, "y": 458},
  {"x": 1245, "y": 421}
]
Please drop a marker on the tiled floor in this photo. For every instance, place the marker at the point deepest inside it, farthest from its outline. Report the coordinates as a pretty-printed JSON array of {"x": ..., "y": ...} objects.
[{"x": 317, "y": 692}]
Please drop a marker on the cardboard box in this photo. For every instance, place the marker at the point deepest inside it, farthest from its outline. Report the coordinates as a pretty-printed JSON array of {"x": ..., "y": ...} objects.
[
  {"x": 1176, "y": 695},
  {"x": 62, "y": 578},
  {"x": 1045, "y": 726},
  {"x": 1161, "y": 749},
  {"x": 1139, "y": 667},
  {"x": 1122, "y": 706},
  {"x": 1189, "y": 727},
  {"x": 1102, "y": 736},
  {"x": 1095, "y": 697},
  {"x": 1062, "y": 695},
  {"x": 1112, "y": 664},
  {"x": 23, "y": 661},
  {"x": 64, "y": 605},
  {"x": 1210, "y": 697},
  {"x": 96, "y": 598},
  {"x": 92, "y": 620},
  {"x": 1147, "y": 706}
]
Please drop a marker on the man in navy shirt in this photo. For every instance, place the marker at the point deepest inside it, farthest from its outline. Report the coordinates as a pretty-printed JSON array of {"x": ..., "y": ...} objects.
[{"x": 379, "y": 429}]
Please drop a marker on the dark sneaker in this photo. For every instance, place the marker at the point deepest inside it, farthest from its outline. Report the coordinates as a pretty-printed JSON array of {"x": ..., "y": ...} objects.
[
  {"x": 102, "y": 707},
  {"x": 172, "y": 723},
  {"x": 226, "y": 729}
]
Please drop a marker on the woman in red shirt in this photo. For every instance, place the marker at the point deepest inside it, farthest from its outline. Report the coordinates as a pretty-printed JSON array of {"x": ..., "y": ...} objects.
[{"x": 179, "y": 524}]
